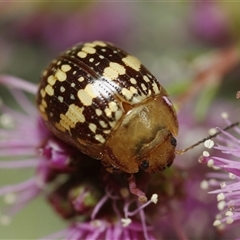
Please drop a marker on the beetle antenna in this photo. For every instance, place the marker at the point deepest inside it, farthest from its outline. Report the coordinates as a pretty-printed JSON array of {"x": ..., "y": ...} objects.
[{"x": 207, "y": 138}]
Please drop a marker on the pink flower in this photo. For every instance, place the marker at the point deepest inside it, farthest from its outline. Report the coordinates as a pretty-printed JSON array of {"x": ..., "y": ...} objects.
[
  {"x": 226, "y": 177},
  {"x": 95, "y": 203}
]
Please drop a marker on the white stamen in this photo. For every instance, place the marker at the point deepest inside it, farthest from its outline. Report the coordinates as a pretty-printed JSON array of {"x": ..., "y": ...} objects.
[
  {"x": 212, "y": 131},
  {"x": 6, "y": 121},
  {"x": 204, "y": 184},
  {"x": 217, "y": 223},
  {"x": 231, "y": 176},
  {"x": 209, "y": 143},
  {"x": 154, "y": 198},
  {"x": 216, "y": 168},
  {"x": 231, "y": 206},
  {"x": 126, "y": 221},
  {"x": 206, "y": 154},
  {"x": 229, "y": 220},
  {"x": 221, "y": 205},
  {"x": 96, "y": 223},
  {"x": 220, "y": 197},
  {"x": 212, "y": 181},
  {"x": 5, "y": 220},
  {"x": 210, "y": 163},
  {"x": 224, "y": 115},
  {"x": 229, "y": 213},
  {"x": 10, "y": 198},
  {"x": 201, "y": 159},
  {"x": 223, "y": 184}
]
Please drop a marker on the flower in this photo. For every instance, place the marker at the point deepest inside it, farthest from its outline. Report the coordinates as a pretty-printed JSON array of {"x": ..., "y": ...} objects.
[
  {"x": 96, "y": 203},
  {"x": 226, "y": 177}
]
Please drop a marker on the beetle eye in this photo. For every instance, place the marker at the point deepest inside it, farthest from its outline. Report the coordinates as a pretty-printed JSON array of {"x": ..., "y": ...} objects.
[
  {"x": 144, "y": 164},
  {"x": 173, "y": 141}
]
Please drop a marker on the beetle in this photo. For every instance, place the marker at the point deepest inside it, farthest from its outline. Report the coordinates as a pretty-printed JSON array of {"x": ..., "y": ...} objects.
[{"x": 103, "y": 101}]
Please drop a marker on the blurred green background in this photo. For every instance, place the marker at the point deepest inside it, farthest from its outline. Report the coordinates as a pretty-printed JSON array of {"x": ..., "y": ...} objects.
[{"x": 166, "y": 36}]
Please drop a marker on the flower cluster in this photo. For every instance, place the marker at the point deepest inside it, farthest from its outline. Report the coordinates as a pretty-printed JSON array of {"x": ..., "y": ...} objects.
[
  {"x": 96, "y": 203},
  {"x": 226, "y": 175}
]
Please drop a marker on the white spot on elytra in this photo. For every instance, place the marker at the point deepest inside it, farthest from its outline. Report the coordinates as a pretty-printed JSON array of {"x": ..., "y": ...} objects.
[
  {"x": 133, "y": 81},
  {"x": 112, "y": 124},
  {"x": 51, "y": 80},
  {"x": 113, "y": 71},
  {"x": 146, "y": 78},
  {"x": 100, "y": 138},
  {"x": 73, "y": 84},
  {"x": 132, "y": 62},
  {"x": 60, "y": 75},
  {"x": 89, "y": 50},
  {"x": 87, "y": 94},
  {"x": 108, "y": 112},
  {"x": 133, "y": 89},
  {"x": 65, "y": 67},
  {"x": 49, "y": 90},
  {"x": 81, "y": 79},
  {"x": 128, "y": 94},
  {"x": 118, "y": 114},
  {"x": 144, "y": 88},
  {"x": 98, "y": 112},
  {"x": 92, "y": 127},
  {"x": 107, "y": 131},
  {"x": 71, "y": 117},
  {"x": 82, "y": 54},
  {"x": 60, "y": 98},
  {"x": 43, "y": 93},
  {"x": 62, "y": 89},
  {"x": 103, "y": 124},
  {"x": 113, "y": 106},
  {"x": 155, "y": 87}
]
